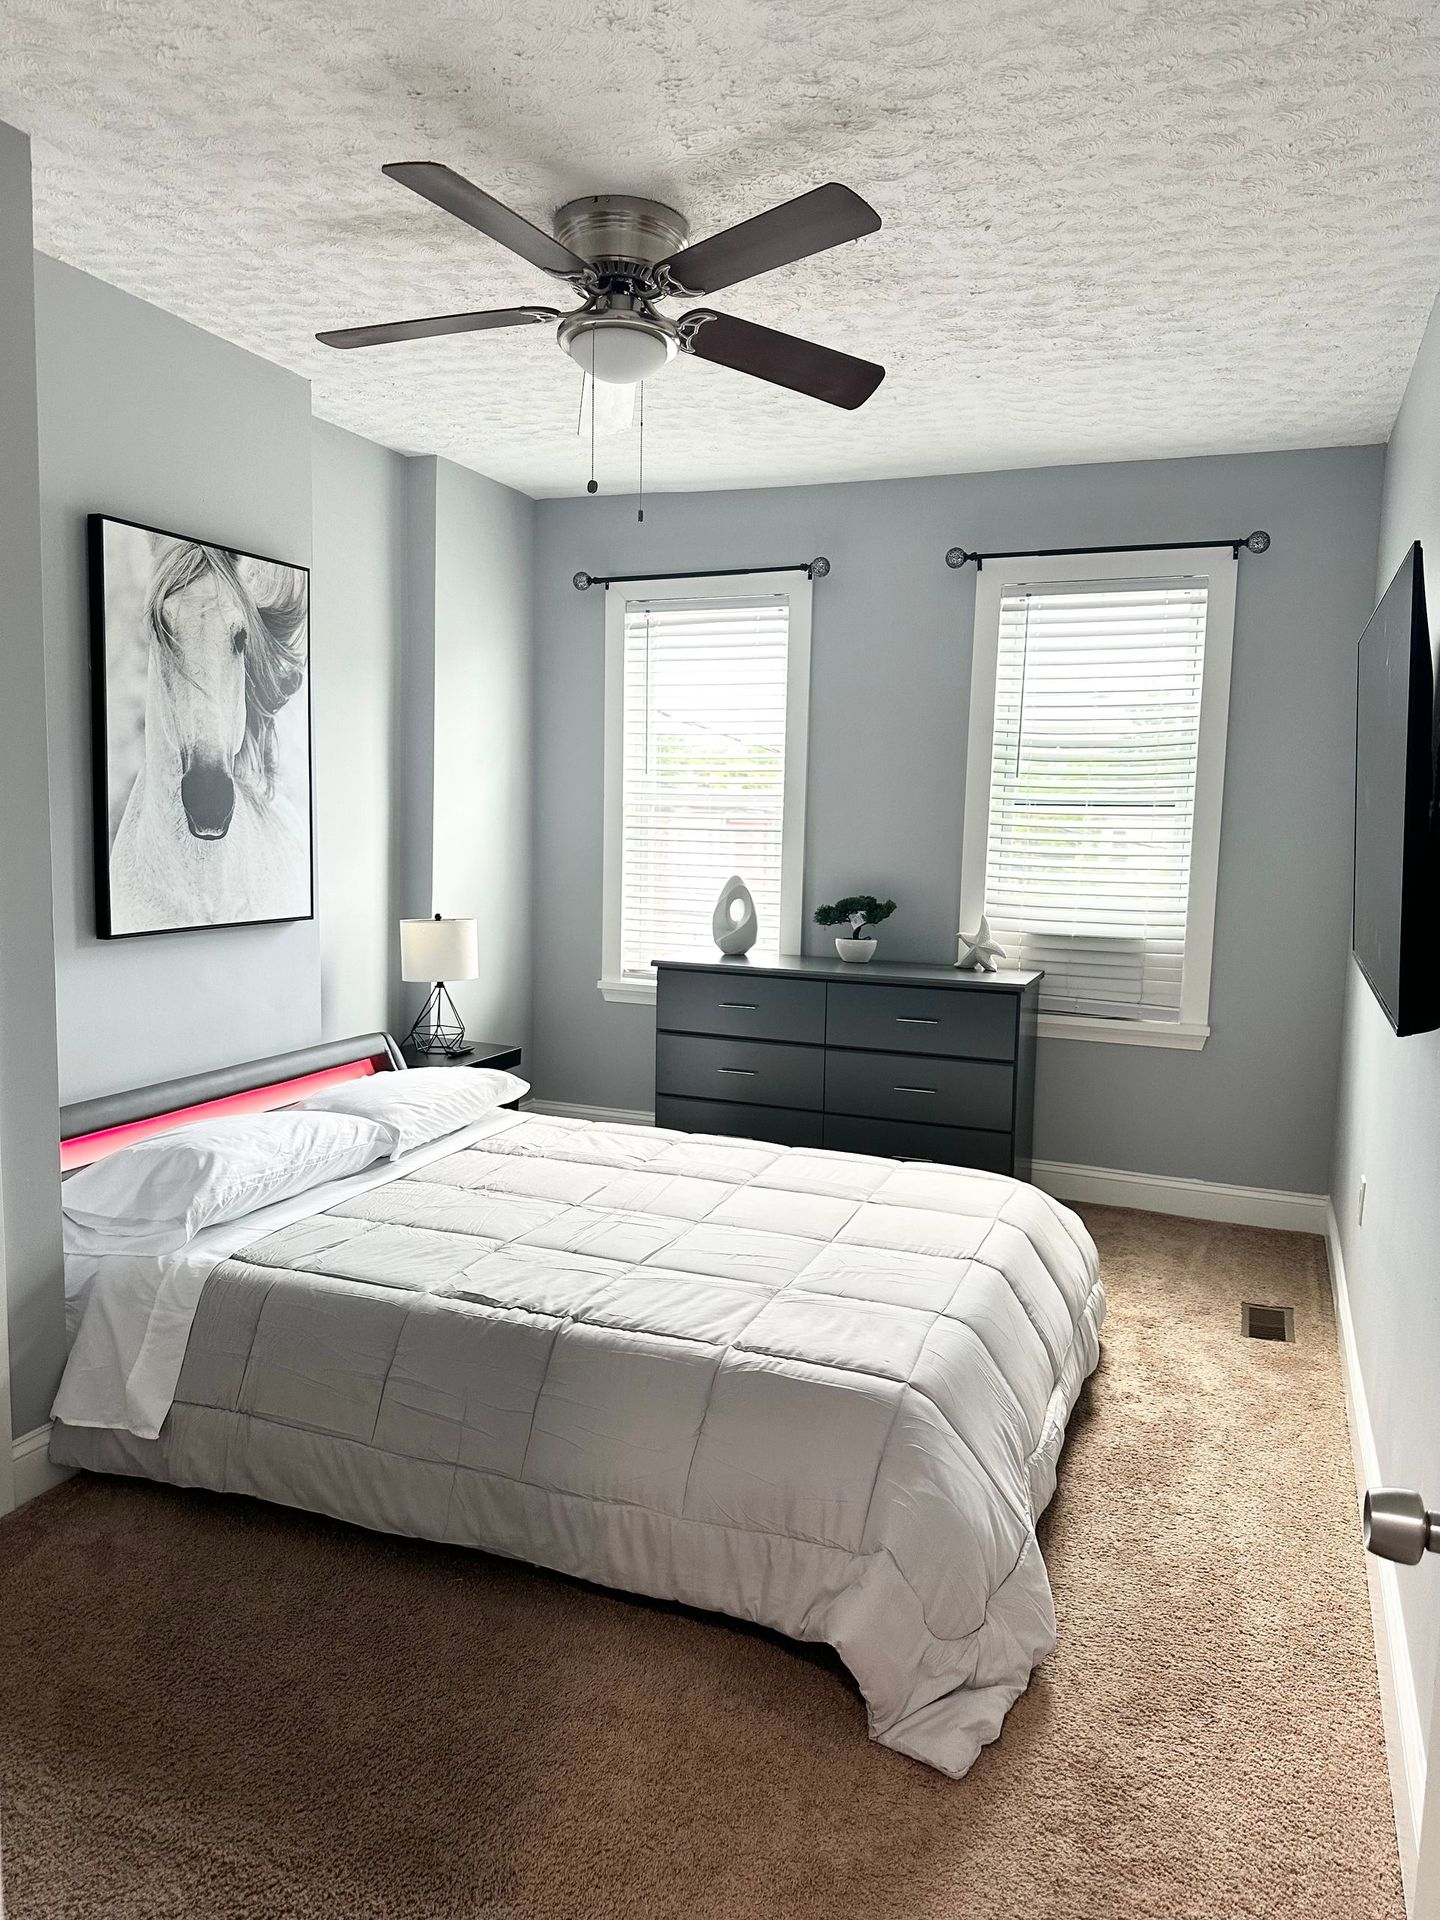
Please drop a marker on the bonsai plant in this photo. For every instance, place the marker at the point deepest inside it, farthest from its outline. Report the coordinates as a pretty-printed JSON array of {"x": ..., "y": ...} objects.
[{"x": 859, "y": 912}]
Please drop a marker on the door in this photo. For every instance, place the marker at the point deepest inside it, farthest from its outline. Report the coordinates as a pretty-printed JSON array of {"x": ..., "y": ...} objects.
[
  {"x": 1427, "y": 1866},
  {"x": 1398, "y": 1526}
]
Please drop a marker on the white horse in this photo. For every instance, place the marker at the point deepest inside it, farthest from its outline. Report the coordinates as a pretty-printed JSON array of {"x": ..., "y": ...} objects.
[{"x": 205, "y": 839}]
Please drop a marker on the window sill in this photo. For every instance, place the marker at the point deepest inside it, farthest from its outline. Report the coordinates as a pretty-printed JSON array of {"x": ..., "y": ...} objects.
[
  {"x": 632, "y": 992},
  {"x": 1186, "y": 1036}
]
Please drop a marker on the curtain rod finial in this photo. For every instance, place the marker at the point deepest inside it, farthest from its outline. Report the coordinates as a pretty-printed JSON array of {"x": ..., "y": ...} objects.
[
  {"x": 818, "y": 567},
  {"x": 582, "y": 581}
]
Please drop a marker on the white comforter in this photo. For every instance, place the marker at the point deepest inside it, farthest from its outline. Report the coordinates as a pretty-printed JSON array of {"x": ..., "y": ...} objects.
[{"x": 811, "y": 1389}]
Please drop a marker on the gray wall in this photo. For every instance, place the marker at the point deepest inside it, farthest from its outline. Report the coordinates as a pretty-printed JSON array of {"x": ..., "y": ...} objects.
[
  {"x": 415, "y": 879},
  {"x": 889, "y": 687},
  {"x": 468, "y": 730},
  {"x": 1388, "y": 1125},
  {"x": 30, "y": 1285},
  {"x": 150, "y": 419},
  {"x": 358, "y": 621},
  {"x": 422, "y": 621}
]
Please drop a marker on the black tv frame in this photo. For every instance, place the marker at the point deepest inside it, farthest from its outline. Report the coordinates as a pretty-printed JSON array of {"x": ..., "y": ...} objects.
[{"x": 1417, "y": 989}]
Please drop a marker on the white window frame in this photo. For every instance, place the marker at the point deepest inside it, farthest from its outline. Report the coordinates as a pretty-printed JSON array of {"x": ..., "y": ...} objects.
[
  {"x": 1217, "y": 566},
  {"x": 796, "y": 589}
]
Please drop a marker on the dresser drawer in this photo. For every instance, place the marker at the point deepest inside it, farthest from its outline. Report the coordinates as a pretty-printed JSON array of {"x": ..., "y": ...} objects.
[
  {"x": 899, "y": 1086},
  {"x": 752, "y": 1007},
  {"x": 781, "y": 1124},
  {"x": 911, "y": 1140},
  {"x": 756, "y": 1072},
  {"x": 954, "y": 1020}
]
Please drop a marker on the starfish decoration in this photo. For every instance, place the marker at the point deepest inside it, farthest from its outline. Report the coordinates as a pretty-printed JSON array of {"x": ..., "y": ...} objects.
[{"x": 978, "y": 951}]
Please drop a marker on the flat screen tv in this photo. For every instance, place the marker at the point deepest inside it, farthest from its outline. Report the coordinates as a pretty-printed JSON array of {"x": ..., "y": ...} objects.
[{"x": 1397, "y": 874}]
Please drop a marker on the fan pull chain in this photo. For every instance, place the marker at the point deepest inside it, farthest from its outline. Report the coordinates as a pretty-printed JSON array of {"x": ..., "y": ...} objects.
[
  {"x": 590, "y": 486},
  {"x": 640, "y": 516}
]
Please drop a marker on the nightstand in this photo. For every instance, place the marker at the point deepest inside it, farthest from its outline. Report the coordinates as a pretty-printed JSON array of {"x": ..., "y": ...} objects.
[{"x": 483, "y": 1053}]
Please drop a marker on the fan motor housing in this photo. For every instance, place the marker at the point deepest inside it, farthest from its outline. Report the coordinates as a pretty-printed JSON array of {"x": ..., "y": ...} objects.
[{"x": 618, "y": 230}]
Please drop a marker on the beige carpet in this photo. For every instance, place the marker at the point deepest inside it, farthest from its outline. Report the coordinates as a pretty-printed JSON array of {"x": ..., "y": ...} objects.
[{"x": 213, "y": 1708}]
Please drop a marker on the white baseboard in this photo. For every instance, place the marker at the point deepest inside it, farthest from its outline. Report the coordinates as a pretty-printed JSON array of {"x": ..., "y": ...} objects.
[
  {"x": 1191, "y": 1199},
  {"x": 34, "y": 1471},
  {"x": 1399, "y": 1703}
]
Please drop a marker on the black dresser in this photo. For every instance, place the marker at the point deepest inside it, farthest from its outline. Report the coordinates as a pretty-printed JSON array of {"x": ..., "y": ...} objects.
[{"x": 924, "y": 1063}]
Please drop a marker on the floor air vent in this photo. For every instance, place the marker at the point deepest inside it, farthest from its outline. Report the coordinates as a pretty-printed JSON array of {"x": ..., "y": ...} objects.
[{"x": 1267, "y": 1323}]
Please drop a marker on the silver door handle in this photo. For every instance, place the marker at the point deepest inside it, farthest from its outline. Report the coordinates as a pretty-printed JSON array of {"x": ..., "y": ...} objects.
[
  {"x": 913, "y": 1020},
  {"x": 1399, "y": 1527},
  {"x": 912, "y": 1089},
  {"x": 737, "y": 1006},
  {"x": 747, "y": 1072}
]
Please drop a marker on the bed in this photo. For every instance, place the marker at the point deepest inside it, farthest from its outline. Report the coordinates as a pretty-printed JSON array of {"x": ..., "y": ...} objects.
[{"x": 815, "y": 1390}]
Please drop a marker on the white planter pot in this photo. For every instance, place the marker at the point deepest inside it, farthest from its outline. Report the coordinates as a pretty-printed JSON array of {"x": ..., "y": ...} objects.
[{"x": 856, "y": 949}]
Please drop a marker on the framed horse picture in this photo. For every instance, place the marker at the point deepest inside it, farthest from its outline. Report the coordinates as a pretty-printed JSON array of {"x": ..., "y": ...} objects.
[{"x": 200, "y": 676}]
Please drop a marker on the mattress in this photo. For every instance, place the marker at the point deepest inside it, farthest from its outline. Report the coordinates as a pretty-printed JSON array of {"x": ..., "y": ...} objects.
[{"x": 815, "y": 1390}]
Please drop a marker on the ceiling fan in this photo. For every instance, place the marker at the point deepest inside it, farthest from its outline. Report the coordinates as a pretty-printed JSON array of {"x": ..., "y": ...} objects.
[{"x": 622, "y": 255}]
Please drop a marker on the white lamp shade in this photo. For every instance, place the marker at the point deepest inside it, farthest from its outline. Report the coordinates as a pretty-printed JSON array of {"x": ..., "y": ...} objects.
[{"x": 439, "y": 950}]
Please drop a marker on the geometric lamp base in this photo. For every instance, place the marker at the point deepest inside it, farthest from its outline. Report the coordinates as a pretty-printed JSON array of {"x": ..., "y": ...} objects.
[{"x": 438, "y": 1027}]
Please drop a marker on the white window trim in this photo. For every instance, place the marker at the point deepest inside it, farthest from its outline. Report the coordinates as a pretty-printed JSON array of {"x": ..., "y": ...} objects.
[
  {"x": 1218, "y": 566},
  {"x": 637, "y": 989}
]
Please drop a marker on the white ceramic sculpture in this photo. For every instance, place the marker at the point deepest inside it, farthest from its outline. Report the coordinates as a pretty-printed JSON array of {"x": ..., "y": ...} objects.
[
  {"x": 978, "y": 951},
  {"x": 732, "y": 935}
]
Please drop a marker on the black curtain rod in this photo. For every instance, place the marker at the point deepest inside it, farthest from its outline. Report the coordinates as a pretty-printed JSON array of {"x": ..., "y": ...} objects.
[
  {"x": 1255, "y": 542},
  {"x": 816, "y": 568}
]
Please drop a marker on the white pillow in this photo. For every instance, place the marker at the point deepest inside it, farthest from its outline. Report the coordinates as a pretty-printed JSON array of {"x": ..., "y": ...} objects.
[
  {"x": 155, "y": 1196},
  {"x": 423, "y": 1103}
]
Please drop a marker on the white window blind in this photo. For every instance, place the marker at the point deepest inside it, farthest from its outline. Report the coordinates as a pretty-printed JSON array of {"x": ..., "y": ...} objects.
[
  {"x": 1092, "y": 789},
  {"x": 702, "y": 783}
]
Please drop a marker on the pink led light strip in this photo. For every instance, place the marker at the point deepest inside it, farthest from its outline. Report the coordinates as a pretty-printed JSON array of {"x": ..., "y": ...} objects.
[{"x": 86, "y": 1147}]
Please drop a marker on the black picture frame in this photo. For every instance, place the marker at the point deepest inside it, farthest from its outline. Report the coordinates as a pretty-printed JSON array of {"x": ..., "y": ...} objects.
[{"x": 101, "y": 737}]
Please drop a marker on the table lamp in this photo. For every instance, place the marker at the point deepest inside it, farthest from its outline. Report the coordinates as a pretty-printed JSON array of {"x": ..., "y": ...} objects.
[{"x": 438, "y": 950}]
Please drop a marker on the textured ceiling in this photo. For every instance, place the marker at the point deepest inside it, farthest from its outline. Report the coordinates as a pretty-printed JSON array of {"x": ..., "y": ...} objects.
[{"x": 1113, "y": 230}]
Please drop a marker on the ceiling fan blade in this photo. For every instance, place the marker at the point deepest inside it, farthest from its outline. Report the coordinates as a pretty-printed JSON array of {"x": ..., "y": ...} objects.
[
  {"x": 780, "y": 358},
  {"x": 452, "y": 191},
  {"x": 825, "y": 217},
  {"x": 381, "y": 336}
]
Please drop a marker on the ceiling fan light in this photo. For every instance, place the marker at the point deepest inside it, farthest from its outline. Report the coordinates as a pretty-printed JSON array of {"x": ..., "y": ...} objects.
[{"x": 620, "y": 353}]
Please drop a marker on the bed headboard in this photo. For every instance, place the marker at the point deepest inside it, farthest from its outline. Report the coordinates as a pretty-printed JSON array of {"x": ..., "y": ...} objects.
[{"x": 92, "y": 1128}]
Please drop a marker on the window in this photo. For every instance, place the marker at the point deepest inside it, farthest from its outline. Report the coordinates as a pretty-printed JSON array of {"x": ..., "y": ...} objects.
[
  {"x": 706, "y": 695},
  {"x": 1099, "y": 695}
]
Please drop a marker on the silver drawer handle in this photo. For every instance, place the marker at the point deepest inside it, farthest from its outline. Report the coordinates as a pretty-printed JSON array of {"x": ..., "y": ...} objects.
[
  {"x": 913, "y": 1020},
  {"x": 748, "y": 1072},
  {"x": 912, "y": 1089},
  {"x": 737, "y": 1006}
]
